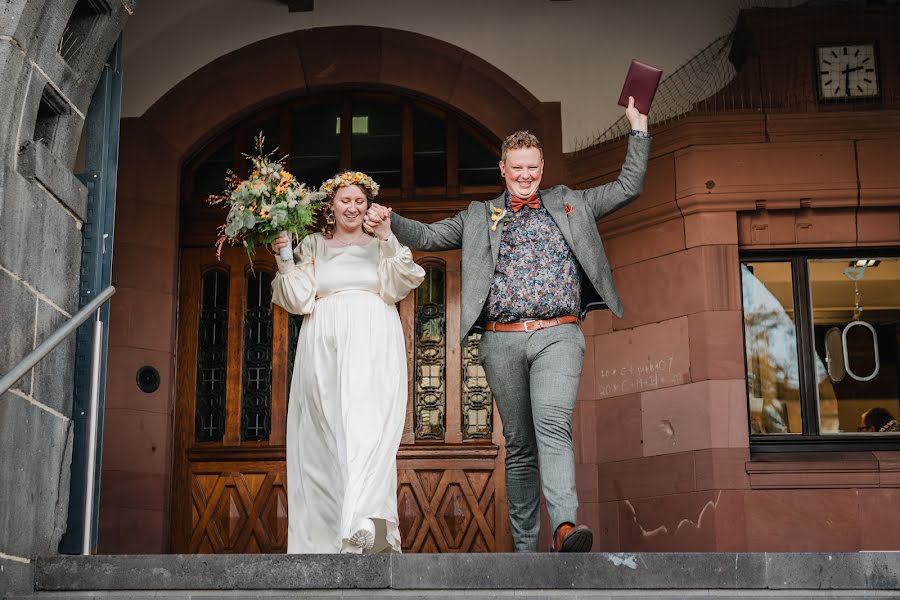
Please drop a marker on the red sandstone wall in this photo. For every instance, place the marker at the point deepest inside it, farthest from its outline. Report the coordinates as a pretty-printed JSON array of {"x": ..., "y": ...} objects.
[{"x": 661, "y": 427}]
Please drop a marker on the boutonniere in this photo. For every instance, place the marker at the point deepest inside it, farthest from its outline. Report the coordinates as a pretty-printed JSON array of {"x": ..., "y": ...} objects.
[
  {"x": 569, "y": 208},
  {"x": 497, "y": 215}
]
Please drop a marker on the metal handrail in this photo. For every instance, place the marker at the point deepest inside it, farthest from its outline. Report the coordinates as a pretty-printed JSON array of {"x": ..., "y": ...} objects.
[
  {"x": 53, "y": 341},
  {"x": 43, "y": 350}
]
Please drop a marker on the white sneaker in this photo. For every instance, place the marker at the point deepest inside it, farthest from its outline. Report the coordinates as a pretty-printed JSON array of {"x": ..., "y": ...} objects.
[{"x": 364, "y": 536}]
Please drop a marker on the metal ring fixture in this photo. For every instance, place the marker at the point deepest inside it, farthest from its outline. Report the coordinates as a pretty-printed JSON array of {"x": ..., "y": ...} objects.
[{"x": 850, "y": 372}]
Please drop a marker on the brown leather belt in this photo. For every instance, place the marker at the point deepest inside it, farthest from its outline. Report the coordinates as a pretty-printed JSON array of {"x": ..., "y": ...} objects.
[{"x": 530, "y": 324}]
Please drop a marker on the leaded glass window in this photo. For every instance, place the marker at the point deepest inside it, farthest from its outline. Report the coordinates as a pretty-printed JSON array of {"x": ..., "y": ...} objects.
[
  {"x": 294, "y": 324},
  {"x": 431, "y": 355},
  {"x": 477, "y": 401},
  {"x": 256, "y": 401},
  {"x": 212, "y": 357}
]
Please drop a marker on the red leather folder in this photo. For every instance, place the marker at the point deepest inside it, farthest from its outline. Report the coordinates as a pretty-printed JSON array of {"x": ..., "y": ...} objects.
[{"x": 641, "y": 82}]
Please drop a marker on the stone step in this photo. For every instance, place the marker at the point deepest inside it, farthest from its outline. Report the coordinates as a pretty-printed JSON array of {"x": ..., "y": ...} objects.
[{"x": 472, "y": 576}]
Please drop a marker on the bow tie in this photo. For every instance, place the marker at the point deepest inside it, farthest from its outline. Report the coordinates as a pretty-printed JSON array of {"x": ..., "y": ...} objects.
[{"x": 516, "y": 203}]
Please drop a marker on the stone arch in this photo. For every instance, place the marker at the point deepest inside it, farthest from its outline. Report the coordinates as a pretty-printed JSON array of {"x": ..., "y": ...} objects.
[{"x": 304, "y": 62}]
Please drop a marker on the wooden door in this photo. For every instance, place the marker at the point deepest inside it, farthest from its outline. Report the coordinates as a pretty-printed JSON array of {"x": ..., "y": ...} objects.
[{"x": 232, "y": 384}]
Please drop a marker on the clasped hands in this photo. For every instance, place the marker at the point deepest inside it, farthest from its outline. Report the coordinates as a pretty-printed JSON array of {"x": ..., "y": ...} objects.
[{"x": 378, "y": 220}]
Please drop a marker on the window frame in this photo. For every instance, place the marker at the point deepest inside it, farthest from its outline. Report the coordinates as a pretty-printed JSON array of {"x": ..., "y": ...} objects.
[{"x": 810, "y": 439}]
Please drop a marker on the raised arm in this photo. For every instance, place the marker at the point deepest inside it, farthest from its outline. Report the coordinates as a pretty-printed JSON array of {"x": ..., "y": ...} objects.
[
  {"x": 607, "y": 198},
  {"x": 628, "y": 186}
]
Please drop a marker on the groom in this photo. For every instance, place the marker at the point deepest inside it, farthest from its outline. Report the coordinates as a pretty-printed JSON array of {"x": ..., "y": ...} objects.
[{"x": 532, "y": 266}]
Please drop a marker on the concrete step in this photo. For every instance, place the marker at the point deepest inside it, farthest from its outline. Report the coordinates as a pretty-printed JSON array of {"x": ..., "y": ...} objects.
[{"x": 472, "y": 576}]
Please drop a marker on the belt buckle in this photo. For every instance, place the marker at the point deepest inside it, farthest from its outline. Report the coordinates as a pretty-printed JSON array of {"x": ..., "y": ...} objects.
[{"x": 525, "y": 322}]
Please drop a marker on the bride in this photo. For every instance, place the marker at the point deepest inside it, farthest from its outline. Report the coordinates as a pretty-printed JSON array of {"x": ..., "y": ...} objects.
[{"x": 349, "y": 385}]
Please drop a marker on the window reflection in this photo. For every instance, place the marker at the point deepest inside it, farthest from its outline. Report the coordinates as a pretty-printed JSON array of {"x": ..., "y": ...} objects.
[
  {"x": 770, "y": 338},
  {"x": 855, "y": 385}
]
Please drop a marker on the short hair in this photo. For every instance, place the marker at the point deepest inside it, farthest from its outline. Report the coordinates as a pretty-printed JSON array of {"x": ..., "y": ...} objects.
[
  {"x": 878, "y": 417},
  {"x": 521, "y": 139}
]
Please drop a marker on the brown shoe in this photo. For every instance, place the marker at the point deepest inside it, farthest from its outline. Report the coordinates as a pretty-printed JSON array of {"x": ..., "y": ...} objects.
[{"x": 573, "y": 538}]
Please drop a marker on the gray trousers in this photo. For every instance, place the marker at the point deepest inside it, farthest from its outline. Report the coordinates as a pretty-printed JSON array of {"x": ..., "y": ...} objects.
[{"x": 534, "y": 377}]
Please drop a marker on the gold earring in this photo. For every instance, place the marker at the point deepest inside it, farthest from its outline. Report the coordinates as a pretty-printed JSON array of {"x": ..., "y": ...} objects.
[{"x": 329, "y": 218}]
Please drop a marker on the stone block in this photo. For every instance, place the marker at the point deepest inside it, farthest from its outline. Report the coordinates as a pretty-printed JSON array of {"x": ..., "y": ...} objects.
[
  {"x": 430, "y": 70},
  {"x": 795, "y": 520},
  {"x": 142, "y": 319},
  {"x": 148, "y": 167},
  {"x": 37, "y": 163},
  {"x": 121, "y": 387},
  {"x": 188, "y": 111},
  {"x": 822, "y": 173},
  {"x": 597, "y": 322},
  {"x": 672, "y": 523},
  {"x": 327, "y": 63},
  {"x": 54, "y": 376},
  {"x": 879, "y": 524},
  {"x": 833, "y": 571},
  {"x": 136, "y": 441},
  {"x": 15, "y": 73},
  {"x": 481, "y": 90},
  {"x": 267, "y": 69},
  {"x": 700, "y": 279},
  {"x": 16, "y": 577},
  {"x": 17, "y": 323},
  {"x": 145, "y": 224},
  {"x": 606, "y": 534},
  {"x": 644, "y": 358},
  {"x": 214, "y": 572},
  {"x": 36, "y": 450},
  {"x": 878, "y": 225},
  {"x": 586, "y": 480},
  {"x": 716, "y": 345},
  {"x": 643, "y": 477},
  {"x": 575, "y": 571},
  {"x": 710, "y": 229},
  {"x": 147, "y": 268},
  {"x": 722, "y": 468},
  {"x": 879, "y": 182},
  {"x": 131, "y": 530},
  {"x": 130, "y": 490},
  {"x": 617, "y": 429},
  {"x": 709, "y": 414},
  {"x": 41, "y": 242},
  {"x": 649, "y": 241}
]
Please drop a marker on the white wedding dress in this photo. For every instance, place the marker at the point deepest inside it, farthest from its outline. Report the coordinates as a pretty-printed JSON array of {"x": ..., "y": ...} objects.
[{"x": 348, "y": 391}]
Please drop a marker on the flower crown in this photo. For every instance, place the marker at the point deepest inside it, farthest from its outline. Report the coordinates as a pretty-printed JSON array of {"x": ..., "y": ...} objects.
[{"x": 346, "y": 178}]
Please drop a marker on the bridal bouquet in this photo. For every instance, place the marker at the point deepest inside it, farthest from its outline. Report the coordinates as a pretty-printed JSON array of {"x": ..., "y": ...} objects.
[{"x": 270, "y": 201}]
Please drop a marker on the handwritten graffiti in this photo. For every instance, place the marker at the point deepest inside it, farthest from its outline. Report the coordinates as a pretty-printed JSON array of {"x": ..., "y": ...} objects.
[{"x": 631, "y": 377}]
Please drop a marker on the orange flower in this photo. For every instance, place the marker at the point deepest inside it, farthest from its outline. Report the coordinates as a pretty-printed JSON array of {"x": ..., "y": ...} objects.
[{"x": 568, "y": 208}]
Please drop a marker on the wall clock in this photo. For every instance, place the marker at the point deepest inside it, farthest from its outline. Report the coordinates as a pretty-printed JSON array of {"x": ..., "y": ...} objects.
[{"x": 847, "y": 71}]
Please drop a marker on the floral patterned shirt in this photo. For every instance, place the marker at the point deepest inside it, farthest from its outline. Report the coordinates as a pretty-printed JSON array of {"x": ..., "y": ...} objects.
[{"x": 537, "y": 275}]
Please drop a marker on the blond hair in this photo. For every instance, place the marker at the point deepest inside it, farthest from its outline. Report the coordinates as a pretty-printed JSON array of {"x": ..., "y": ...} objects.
[{"x": 521, "y": 139}]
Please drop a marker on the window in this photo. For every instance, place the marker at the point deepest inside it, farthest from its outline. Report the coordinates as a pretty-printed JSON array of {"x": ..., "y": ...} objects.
[
  {"x": 212, "y": 357},
  {"x": 415, "y": 150},
  {"x": 821, "y": 338},
  {"x": 430, "y": 391}
]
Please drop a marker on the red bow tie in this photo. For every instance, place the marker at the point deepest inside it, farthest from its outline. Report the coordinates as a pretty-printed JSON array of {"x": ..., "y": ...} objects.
[{"x": 516, "y": 203}]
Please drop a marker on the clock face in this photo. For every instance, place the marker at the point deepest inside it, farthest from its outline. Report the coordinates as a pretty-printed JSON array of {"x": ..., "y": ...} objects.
[{"x": 847, "y": 71}]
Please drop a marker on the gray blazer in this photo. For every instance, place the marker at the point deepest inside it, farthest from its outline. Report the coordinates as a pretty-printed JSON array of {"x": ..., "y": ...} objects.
[{"x": 471, "y": 231}]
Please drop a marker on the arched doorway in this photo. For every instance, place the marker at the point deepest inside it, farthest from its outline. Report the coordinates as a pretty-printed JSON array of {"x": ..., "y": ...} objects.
[{"x": 234, "y": 353}]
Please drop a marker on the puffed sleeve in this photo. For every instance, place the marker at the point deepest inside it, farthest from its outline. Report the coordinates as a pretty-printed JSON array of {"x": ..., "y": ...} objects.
[
  {"x": 398, "y": 273},
  {"x": 294, "y": 288}
]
